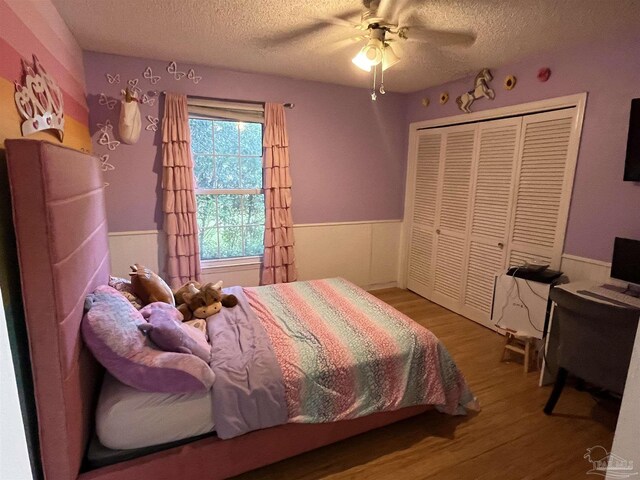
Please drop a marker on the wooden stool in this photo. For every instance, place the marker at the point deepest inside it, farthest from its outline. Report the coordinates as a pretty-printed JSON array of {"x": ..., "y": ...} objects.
[{"x": 522, "y": 345}]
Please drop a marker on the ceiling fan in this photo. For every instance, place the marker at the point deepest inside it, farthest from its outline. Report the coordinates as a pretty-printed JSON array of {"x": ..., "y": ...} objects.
[{"x": 381, "y": 25}]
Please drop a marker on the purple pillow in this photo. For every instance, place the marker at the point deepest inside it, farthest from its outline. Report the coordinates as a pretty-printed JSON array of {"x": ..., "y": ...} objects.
[
  {"x": 166, "y": 330},
  {"x": 110, "y": 330},
  {"x": 197, "y": 336}
]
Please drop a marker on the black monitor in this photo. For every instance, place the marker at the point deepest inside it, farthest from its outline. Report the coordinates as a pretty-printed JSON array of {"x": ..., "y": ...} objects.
[
  {"x": 632, "y": 163},
  {"x": 625, "y": 264}
]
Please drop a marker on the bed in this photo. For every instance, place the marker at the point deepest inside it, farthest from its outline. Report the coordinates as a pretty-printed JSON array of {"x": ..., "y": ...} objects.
[{"x": 60, "y": 223}]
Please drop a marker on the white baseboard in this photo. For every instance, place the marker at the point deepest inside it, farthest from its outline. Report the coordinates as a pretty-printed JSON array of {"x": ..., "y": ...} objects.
[
  {"x": 380, "y": 286},
  {"x": 365, "y": 253}
]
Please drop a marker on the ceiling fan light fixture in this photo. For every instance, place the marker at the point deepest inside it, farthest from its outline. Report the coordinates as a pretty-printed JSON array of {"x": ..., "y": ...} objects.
[
  {"x": 373, "y": 51},
  {"x": 360, "y": 61},
  {"x": 389, "y": 59}
]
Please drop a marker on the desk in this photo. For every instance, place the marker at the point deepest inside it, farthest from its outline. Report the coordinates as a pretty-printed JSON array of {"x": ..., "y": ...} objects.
[
  {"x": 577, "y": 287},
  {"x": 549, "y": 362}
]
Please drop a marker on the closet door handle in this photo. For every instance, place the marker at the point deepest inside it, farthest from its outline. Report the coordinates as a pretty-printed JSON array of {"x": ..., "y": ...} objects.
[
  {"x": 438, "y": 232},
  {"x": 501, "y": 245}
]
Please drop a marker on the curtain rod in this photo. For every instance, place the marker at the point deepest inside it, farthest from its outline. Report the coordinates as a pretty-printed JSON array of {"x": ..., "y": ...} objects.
[{"x": 285, "y": 105}]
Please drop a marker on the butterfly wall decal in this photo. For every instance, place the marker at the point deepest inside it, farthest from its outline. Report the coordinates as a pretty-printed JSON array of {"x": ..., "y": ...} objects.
[
  {"x": 106, "y": 126},
  {"x": 105, "y": 166},
  {"x": 113, "y": 78},
  {"x": 148, "y": 100},
  {"x": 104, "y": 100},
  {"x": 105, "y": 139},
  {"x": 172, "y": 68},
  {"x": 133, "y": 86},
  {"x": 148, "y": 74},
  {"x": 153, "y": 123},
  {"x": 191, "y": 75}
]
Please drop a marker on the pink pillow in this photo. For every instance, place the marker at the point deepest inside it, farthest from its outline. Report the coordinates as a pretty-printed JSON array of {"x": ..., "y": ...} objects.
[{"x": 110, "y": 330}]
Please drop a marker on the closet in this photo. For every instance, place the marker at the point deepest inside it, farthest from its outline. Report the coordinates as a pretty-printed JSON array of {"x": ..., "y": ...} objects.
[{"x": 485, "y": 196}]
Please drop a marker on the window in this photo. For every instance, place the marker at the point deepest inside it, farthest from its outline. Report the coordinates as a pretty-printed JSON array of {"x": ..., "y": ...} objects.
[{"x": 227, "y": 158}]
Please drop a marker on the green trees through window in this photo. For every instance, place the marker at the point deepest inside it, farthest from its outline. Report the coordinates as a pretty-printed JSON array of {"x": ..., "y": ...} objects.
[{"x": 227, "y": 158}]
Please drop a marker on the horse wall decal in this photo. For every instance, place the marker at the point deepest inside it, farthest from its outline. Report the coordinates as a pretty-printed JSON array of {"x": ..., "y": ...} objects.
[
  {"x": 129, "y": 125},
  {"x": 481, "y": 89}
]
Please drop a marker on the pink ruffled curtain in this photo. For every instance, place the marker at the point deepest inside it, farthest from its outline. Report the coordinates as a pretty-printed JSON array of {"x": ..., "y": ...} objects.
[
  {"x": 279, "y": 260},
  {"x": 179, "y": 201}
]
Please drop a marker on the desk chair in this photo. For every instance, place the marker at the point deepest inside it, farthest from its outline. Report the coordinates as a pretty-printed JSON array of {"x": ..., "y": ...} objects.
[{"x": 595, "y": 342}]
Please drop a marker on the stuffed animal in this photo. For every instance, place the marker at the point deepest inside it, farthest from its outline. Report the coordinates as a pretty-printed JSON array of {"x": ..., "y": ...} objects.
[
  {"x": 179, "y": 293},
  {"x": 195, "y": 301},
  {"x": 198, "y": 302},
  {"x": 228, "y": 301},
  {"x": 123, "y": 285},
  {"x": 166, "y": 330},
  {"x": 149, "y": 287}
]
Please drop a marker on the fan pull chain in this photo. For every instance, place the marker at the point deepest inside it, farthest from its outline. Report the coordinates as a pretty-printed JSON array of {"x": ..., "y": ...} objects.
[
  {"x": 382, "y": 92},
  {"x": 373, "y": 89}
]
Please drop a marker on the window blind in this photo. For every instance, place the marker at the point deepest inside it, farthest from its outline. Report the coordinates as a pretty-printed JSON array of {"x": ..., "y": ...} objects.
[{"x": 225, "y": 110}]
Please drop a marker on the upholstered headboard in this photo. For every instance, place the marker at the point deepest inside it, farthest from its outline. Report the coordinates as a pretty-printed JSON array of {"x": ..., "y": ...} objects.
[{"x": 61, "y": 232}]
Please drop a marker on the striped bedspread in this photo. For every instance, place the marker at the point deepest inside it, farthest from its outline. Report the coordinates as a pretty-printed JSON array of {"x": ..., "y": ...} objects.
[{"x": 346, "y": 354}]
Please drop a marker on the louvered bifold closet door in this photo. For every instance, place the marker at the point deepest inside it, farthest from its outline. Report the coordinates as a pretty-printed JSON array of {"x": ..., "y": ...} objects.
[
  {"x": 492, "y": 195},
  {"x": 453, "y": 215},
  {"x": 421, "y": 271},
  {"x": 544, "y": 181}
]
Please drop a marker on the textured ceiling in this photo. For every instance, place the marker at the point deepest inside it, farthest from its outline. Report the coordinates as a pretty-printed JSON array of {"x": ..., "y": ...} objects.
[{"x": 236, "y": 34}]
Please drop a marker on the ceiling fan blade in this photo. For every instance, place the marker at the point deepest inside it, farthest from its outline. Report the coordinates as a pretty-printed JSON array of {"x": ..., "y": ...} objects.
[
  {"x": 333, "y": 47},
  {"x": 384, "y": 9},
  {"x": 342, "y": 20},
  {"x": 440, "y": 38},
  {"x": 296, "y": 33},
  {"x": 317, "y": 25},
  {"x": 390, "y": 10}
]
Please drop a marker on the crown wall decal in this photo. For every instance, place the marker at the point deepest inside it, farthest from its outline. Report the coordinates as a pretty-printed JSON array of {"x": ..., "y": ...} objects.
[{"x": 39, "y": 100}]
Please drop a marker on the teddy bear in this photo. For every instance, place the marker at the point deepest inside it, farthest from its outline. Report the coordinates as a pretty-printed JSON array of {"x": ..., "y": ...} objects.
[{"x": 201, "y": 301}]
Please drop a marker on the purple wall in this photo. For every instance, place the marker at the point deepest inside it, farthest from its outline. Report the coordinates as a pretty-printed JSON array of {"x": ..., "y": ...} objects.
[
  {"x": 347, "y": 152},
  {"x": 603, "y": 206}
]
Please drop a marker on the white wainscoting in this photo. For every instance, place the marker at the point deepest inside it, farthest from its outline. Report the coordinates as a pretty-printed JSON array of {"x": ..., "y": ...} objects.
[
  {"x": 143, "y": 247},
  {"x": 245, "y": 275},
  {"x": 365, "y": 253},
  {"x": 580, "y": 268}
]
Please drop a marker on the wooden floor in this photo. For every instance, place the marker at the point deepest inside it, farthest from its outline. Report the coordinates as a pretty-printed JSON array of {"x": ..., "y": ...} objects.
[{"x": 509, "y": 439}]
